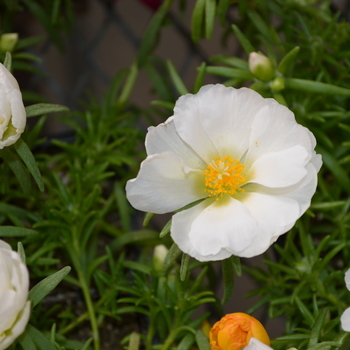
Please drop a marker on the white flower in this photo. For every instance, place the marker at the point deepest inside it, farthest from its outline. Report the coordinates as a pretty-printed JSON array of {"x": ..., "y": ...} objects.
[
  {"x": 345, "y": 317},
  {"x": 255, "y": 344},
  {"x": 12, "y": 112},
  {"x": 14, "y": 304},
  {"x": 246, "y": 156}
]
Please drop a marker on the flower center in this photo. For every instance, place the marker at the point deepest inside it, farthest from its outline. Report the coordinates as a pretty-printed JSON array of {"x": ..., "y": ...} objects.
[{"x": 224, "y": 176}]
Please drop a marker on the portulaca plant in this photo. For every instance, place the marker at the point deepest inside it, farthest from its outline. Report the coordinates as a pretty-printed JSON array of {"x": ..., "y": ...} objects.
[
  {"x": 14, "y": 303},
  {"x": 250, "y": 165}
]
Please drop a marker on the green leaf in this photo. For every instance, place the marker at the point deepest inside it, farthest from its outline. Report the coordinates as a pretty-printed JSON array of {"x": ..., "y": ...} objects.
[
  {"x": 44, "y": 108},
  {"x": 236, "y": 261},
  {"x": 305, "y": 311},
  {"x": 247, "y": 46},
  {"x": 55, "y": 11},
  {"x": 186, "y": 342},
  {"x": 147, "y": 219},
  {"x": 166, "y": 229},
  {"x": 137, "y": 266},
  {"x": 222, "y": 9},
  {"x": 123, "y": 206},
  {"x": 229, "y": 279},
  {"x": 202, "y": 341},
  {"x": 230, "y": 72},
  {"x": 197, "y": 20},
  {"x": 230, "y": 61},
  {"x": 335, "y": 168},
  {"x": 39, "y": 339},
  {"x": 317, "y": 328},
  {"x": 16, "y": 165},
  {"x": 12, "y": 231},
  {"x": 134, "y": 237},
  {"x": 26, "y": 155},
  {"x": 184, "y": 266},
  {"x": 200, "y": 77},
  {"x": 288, "y": 60},
  {"x": 21, "y": 252},
  {"x": 179, "y": 85},
  {"x": 210, "y": 8},
  {"x": 134, "y": 341},
  {"x": 44, "y": 287},
  {"x": 8, "y": 61},
  {"x": 87, "y": 344},
  {"x": 164, "y": 104},
  {"x": 152, "y": 31},
  {"x": 26, "y": 341},
  {"x": 173, "y": 253},
  {"x": 266, "y": 30},
  {"x": 129, "y": 84},
  {"x": 315, "y": 87}
]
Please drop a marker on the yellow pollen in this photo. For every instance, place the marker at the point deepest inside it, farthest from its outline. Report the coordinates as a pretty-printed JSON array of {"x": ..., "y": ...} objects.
[{"x": 224, "y": 176}]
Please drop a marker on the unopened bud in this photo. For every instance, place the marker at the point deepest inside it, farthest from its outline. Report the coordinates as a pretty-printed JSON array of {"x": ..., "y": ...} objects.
[
  {"x": 261, "y": 67},
  {"x": 277, "y": 84},
  {"x": 8, "y": 42},
  {"x": 160, "y": 252}
]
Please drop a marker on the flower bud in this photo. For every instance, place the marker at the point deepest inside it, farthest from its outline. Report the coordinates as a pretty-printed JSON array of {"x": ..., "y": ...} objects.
[
  {"x": 14, "y": 306},
  {"x": 13, "y": 114},
  {"x": 8, "y": 42},
  {"x": 234, "y": 332},
  {"x": 277, "y": 84},
  {"x": 261, "y": 67},
  {"x": 160, "y": 252}
]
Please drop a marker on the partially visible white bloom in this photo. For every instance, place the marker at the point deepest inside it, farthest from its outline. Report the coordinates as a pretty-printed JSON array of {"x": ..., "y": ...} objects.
[
  {"x": 14, "y": 304},
  {"x": 345, "y": 317},
  {"x": 255, "y": 344},
  {"x": 12, "y": 112},
  {"x": 252, "y": 165}
]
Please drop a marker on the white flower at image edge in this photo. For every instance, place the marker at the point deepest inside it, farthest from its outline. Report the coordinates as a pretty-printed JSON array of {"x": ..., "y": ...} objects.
[
  {"x": 246, "y": 156},
  {"x": 12, "y": 111},
  {"x": 255, "y": 344},
  {"x": 345, "y": 318},
  {"x": 14, "y": 304}
]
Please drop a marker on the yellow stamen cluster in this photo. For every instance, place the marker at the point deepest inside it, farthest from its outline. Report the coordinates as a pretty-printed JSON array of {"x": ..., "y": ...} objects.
[{"x": 224, "y": 176}]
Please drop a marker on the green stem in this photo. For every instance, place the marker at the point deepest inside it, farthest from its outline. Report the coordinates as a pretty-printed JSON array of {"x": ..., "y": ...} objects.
[
  {"x": 84, "y": 316},
  {"x": 150, "y": 332},
  {"x": 169, "y": 340},
  {"x": 75, "y": 258},
  {"x": 90, "y": 309}
]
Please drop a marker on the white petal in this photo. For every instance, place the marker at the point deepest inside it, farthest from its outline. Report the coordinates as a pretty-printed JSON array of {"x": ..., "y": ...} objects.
[
  {"x": 255, "y": 344},
  {"x": 345, "y": 320},
  {"x": 164, "y": 138},
  {"x": 18, "y": 328},
  {"x": 217, "y": 120},
  {"x": 18, "y": 111},
  {"x": 164, "y": 184},
  {"x": 4, "y": 245},
  {"x": 275, "y": 216},
  {"x": 279, "y": 169},
  {"x": 12, "y": 111},
  {"x": 180, "y": 228},
  {"x": 347, "y": 279},
  {"x": 305, "y": 190},
  {"x": 225, "y": 224},
  {"x": 275, "y": 129}
]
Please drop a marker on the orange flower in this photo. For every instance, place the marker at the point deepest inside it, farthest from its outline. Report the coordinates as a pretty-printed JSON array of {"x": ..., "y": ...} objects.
[{"x": 234, "y": 331}]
